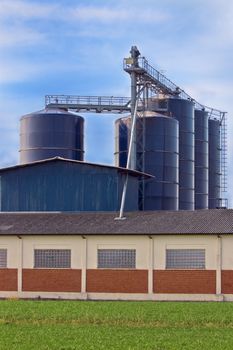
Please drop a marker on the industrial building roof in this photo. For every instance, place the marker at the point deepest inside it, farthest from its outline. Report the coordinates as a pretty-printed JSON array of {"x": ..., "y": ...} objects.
[
  {"x": 57, "y": 159},
  {"x": 214, "y": 221}
]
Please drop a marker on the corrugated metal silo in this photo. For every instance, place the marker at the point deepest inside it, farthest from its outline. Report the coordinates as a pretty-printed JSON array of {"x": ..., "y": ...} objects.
[
  {"x": 161, "y": 159},
  {"x": 214, "y": 163},
  {"x": 50, "y": 133},
  {"x": 201, "y": 159},
  {"x": 183, "y": 111},
  {"x": 122, "y": 137}
]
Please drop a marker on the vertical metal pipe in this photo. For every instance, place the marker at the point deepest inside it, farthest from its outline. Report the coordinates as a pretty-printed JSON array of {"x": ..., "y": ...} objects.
[
  {"x": 130, "y": 151},
  {"x": 133, "y": 75},
  {"x": 132, "y": 138},
  {"x": 123, "y": 198},
  {"x": 133, "y": 158}
]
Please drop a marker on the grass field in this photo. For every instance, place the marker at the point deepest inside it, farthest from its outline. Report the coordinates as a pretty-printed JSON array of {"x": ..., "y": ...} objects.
[{"x": 70, "y": 325}]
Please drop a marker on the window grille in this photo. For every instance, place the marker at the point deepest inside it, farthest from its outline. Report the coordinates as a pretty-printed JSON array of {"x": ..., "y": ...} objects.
[
  {"x": 185, "y": 259},
  {"x": 52, "y": 258},
  {"x": 3, "y": 258},
  {"x": 117, "y": 258}
]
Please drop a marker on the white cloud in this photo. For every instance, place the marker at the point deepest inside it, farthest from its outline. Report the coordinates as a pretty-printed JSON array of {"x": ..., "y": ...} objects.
[
  {"x": 12, "y": 71},
  {"x": 26, "y": 69},
  {"x": 118, "y": 14},
  {"x": 25, "y": 9},
  {"x": 17, "y": 17},
  {"x": 25, "y": 36}
]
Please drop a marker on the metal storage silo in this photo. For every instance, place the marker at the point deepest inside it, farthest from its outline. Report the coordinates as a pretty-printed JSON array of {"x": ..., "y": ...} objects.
[
  {"x": 50, "y": 133},
  {"x": 161, "y": 159},
  {"x": 201, "y": 159},
  {"x": 122, "y": 137},
  {"x": 214, "y": 163},
  {"x": 183, "y": 111}
]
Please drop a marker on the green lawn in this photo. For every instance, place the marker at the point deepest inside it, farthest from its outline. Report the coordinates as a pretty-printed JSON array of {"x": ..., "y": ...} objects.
[{"x": 70, "y": 325}]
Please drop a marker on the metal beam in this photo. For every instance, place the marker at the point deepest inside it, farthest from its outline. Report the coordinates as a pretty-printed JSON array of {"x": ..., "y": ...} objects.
[{"x": 96, "y": 104}]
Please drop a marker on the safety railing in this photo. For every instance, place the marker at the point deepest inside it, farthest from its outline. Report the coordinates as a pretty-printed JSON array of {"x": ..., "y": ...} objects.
[{"x": 86, "y": 100}]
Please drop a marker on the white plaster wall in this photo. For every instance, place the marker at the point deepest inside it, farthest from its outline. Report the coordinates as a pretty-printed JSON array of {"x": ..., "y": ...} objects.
[
  {"x": 140, "y": 243},
  {"x": 227, "y": 252},
  {"x": 161, "y": 243},
  {"x": 12, "y": 246},
  {"x": 75, "y": 243}
]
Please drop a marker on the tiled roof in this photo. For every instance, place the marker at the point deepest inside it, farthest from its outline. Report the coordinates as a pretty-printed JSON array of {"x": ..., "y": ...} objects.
[{"x": 214, "y": 221}]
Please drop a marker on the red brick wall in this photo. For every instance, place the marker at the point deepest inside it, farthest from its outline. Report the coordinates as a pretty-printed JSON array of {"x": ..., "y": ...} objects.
[
  {"x": 185, "y": 281},
  {"x": 51, "y": 280},
  {"x": 117, "y": 281},
  {"x": 227, "y": 281},
  {"x": 8, "y": 280}
]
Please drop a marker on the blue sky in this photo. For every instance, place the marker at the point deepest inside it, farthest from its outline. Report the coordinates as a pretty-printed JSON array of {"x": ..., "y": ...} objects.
[{"x": 77, "y": 47}]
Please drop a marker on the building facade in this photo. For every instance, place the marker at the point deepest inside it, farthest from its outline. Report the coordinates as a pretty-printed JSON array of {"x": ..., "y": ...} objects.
[{"x": 60, "y": 256}]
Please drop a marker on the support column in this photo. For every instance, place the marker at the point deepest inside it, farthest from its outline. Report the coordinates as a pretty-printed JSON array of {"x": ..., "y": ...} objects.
[
  {"x": 219, "y": 266},
  {"x": 20, "y": 263},
  {"x": 151, "y": 265},
  {"x": 84, "y": 265}
]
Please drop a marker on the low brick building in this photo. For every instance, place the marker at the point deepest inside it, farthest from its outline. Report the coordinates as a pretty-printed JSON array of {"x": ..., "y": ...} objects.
[{"x": 182, "y": 255}]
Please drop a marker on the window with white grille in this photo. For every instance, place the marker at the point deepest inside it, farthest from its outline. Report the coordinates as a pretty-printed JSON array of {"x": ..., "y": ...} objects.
[
  {"x": 185, "y": 258},
  {"x": 116, "y": 258},
  {"x": 52, "y": 258},
  {"x": 3, "y": 258}
]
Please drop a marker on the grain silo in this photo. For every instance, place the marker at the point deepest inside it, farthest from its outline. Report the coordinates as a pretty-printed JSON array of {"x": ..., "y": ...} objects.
[
  {"x": 50, "y": 133},
  {"x": 214, "y": 164},
  {"x": 201, "y": 159},
  {"x": 183, "y": 111},
  {"x": 161, "y": 158}
]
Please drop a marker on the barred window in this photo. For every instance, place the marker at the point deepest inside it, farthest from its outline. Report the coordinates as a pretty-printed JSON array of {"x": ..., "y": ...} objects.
[
  {"x": 117, "y": 258},
  {"x": 52, "y": 258},
  {"x": 185, "y": 259},
  {"x": 3, "y": 258}
]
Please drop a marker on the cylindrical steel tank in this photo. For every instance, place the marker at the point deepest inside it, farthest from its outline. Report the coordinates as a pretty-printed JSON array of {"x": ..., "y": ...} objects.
[
  {"x": 161, "y": 158},
  {"x": 201, "y": 159},
  {"x": 214, "y": 163},
  {"x": 183, "y": 111},
  {"x": 50, "y": 133},
  {"x": 122, "y": 138}
]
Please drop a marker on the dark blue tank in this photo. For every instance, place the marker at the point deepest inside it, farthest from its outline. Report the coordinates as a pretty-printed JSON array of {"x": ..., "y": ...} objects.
[
  {"x": 50, "y": 133},
  {"x": 214, "y": 164},
  {"x": 183, "y": 111},
  {"x": 201, "y": 159},
  {"x": 161, "y": 159}
]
